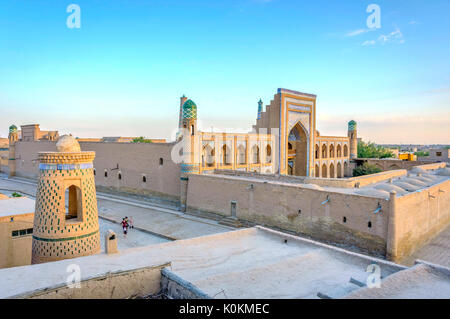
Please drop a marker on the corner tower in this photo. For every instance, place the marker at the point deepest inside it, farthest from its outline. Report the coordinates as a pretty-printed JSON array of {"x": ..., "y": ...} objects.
[
  {"x": 190, "y": 139},
  {"x": 13, "y": 137},
  {"x": 352, "y": 134},
  {"x": 260, "y": 109},
  {"x": 66, "y": 217}
]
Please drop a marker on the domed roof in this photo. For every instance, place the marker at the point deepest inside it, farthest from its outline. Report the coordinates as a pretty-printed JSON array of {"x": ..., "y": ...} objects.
[
  {"x": 67, "y": 144},
  {"x": 13, "y": 128},
  {"x": 352, "y": 125},
  {"x": 189, "y": 110}
]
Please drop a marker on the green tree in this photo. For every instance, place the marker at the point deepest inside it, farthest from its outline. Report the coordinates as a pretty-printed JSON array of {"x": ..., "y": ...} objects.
[
  {"x": 422, "y": 153},
  {"x": 142, "y": 139},
  {"x": 370, "y": 150},
  {"x": 366, "y": 169}
]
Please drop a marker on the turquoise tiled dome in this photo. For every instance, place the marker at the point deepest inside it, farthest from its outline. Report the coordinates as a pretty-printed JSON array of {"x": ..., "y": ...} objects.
[
  {"x": 351, "y": 125},
  {"x": 13, "y": 128},
  {"x": 189, "y": 110}
]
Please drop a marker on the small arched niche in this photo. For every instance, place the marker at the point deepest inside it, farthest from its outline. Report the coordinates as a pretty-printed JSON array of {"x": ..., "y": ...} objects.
[{"x": 73, "y": 210}]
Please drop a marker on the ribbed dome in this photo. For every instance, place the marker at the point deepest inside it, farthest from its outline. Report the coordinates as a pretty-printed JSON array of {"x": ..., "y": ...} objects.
[
  {"x": 67, "y": 144},
  {"x": 13, "y": 128},
  {"x": 189, "y": 110}
]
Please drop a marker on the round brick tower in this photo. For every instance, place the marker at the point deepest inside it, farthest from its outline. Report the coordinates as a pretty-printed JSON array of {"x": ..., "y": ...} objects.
[
  {"x": 66, "y": 217},
  {"x": 353, "y": 135},
  {"x": 189, "y": 162},
  {"x": 13, "y": 137}
]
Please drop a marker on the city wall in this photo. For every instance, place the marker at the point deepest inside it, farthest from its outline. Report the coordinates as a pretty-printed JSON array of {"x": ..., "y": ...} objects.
[
  {"x": 392, "y": 164},
  {"x": 419, "y": 217},
  {"x": 139, "y": 168},
  {"x": 323, "y": 215},
  {"x": 403, "y": 225}
]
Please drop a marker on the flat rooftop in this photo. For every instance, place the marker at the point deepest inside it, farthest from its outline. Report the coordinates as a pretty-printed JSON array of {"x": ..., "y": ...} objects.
[
  {"x": 16, "y": 206},
  {"x": 421, "y": 281},
  {"x": 417, "y": 179},
  {"x": 250, "y": 263}
]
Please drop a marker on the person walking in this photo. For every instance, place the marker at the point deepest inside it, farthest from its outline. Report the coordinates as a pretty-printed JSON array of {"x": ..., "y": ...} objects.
[
  {"x": 125, "y": 226},
  {"x": 131, "y": 222}
]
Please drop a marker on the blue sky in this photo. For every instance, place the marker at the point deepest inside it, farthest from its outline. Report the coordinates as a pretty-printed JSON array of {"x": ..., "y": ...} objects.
[{"x": 123, "y": 71}]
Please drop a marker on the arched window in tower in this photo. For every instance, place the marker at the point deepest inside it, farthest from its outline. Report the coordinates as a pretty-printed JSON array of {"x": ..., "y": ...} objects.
[
  {"x": 94, "y": 172},
  {"x": 268, "y": 154},
  {"x": 73, "y": 209},
  {"x": 106, "y": 173},
  {"x": 192, "y": 130},
  {"x": 161, "y": 161},
  {"x": 144, "y": 179},
  {"x": 119, "y": 176}
]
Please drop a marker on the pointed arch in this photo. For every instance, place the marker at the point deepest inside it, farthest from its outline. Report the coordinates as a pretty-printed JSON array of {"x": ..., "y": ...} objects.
[
  {"x": 332, "y": 171},
  {"x": 324, "y": 151},
  {"x": 345, "y": 150},
  {"x": 339, "y": 151},
  {"x": 339, "y": 170},
  {"x": 208, "y": 156},
  {"x": 331, "y": 151},
  {"x": 298, "y": 154},
  {"x": 241, "y": 155},
  {"x": 255, "y": 154},
  {"x": 225, "y": 155},
  {"x": 324, "y": 171},
  {"x": 268, "y": 153}
]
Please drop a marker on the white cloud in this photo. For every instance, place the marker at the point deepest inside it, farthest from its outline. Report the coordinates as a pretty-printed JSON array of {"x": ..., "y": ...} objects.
[
  {"x": 366, "y": 43},
  {"x": 356, "y": 32},
  {"x": 395, "y": 36}
]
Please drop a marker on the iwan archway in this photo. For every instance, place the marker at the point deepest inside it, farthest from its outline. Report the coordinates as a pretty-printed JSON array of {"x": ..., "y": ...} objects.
[{"x": 298, "y": 151}]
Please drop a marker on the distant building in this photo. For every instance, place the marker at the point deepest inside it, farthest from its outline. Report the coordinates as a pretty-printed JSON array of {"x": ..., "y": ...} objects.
[
  {"x": 32, "y": 132},
  {"x": 437, "y": 155},
  {"x": 407, "y": 157},
  {"x": 16, "y": 229}
]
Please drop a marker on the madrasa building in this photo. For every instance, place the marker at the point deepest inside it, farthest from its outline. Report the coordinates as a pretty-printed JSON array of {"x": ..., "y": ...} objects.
[{"x": 283, "y": 141}]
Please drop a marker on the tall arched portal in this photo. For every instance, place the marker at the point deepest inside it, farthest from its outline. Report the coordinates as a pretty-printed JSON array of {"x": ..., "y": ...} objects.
[{"x": 298, "y": 154}]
